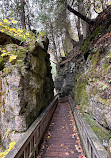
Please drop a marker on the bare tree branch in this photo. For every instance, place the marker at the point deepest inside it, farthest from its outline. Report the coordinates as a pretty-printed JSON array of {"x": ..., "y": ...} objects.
[{"x": 86, "y": 19}]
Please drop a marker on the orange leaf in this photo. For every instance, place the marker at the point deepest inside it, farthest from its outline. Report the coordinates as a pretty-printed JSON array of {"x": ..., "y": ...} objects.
[
  {"x": 80, "y": 150},
  {"x": 72, "y": 152},
  {"x": 66, "y": 153}
]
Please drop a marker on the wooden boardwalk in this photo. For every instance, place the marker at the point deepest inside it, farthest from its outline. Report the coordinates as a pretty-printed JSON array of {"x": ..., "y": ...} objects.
[{"x": 62, "y": 138}]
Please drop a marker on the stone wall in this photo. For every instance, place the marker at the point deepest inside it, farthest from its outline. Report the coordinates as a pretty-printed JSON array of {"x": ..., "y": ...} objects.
[
  {"x": 67, "y": 71},
  {"x": 86, "y": 75},
  {"x": 26, "y": 87}
]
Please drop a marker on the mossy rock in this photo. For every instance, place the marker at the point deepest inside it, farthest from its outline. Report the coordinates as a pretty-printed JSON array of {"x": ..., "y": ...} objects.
[
  {"x": 2, "y": 63},
  {"x": 106, "y": 102},
  {"x": 7, "y": 71},
  {"x": 81, "y": 96},
  {"x": 93, "y": 35},
  {"x": 41, "y": 54},
  {"x": 101, "y": 132},
  {"x": 38, "y": 66}
]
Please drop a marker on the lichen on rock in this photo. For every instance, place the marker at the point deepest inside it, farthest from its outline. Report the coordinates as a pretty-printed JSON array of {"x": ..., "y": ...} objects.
[{"x": 25, "y": 73}]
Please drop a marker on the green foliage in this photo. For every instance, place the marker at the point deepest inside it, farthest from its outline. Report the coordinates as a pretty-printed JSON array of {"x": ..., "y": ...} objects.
[
  {"x": 13, "y": 53},
  {"x": 19, "y": 34},
  {"x": 104, "y": 87}
]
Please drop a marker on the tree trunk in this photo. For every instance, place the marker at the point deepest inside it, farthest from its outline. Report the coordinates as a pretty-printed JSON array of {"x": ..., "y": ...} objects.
[
  {"x": 67, "y": 28},
  {"x": 78, "y": 27},
  {"x": 103, "y": 4},
  {"x": 28, "y": 16},
  {"x": 53, "y": 41},
  {"x": 85, "y": 26},
  {"x": 23, "y": 14}
]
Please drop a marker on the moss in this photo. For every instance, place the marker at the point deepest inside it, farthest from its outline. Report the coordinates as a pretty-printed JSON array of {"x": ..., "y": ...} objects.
[
  {"x": 104, "y": 101},
  {"x": 11, "y": 109},
  {"x": 94, "y": 61},
  {"x": 92, "y": 36},
  {"x": 41, "y": 54},
  {"x": 3, "y": 102},
  {"x": 31, "y": 46},
  {"x": 20, "y": 52},
  {"x": 84, "y": 47},
  {"x": 3, "y": 93},
  {"x": 81, "y": 96},
  {"x": 7, "y": 71},
  {"x": 95, "y": 58},
  {"x": 102, "y": 133},
  {"x": 109, "y": 54},
  {"x": 13, "y": 49},
  {"x": 94, "y": 91},
  {"x": 1, "y": 63},
  {"x": 105, "y": 66},
  {"x": 20, "y": 63}
]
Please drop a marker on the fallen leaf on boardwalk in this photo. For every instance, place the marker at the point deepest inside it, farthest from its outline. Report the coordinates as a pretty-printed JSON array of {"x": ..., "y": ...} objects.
[
  {"x": 74, "y": 129},
  {"x": 76, "y": 148},
  {"x": 62, "y": 144},
  {"x": 66, "y": 147},
  {"x": 66, "y": 153},
  {"x": 73, "y": 135},
  {"x": 79, "y": 146},
  {"x": 78, "y": 141},
  {"x": 76, "y": 134},
  {"x": 42, "y": 146},
  {"x": 81, "y": 157},
  {"x": 38, "y": 156},
  {"x": 72, "y": 152},
  {"x": 80, "y": 150},
  {"x": 78, "y": 138}
]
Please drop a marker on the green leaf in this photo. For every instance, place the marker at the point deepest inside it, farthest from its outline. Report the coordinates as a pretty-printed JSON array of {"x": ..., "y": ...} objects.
[{"x": 104, "y": 87}]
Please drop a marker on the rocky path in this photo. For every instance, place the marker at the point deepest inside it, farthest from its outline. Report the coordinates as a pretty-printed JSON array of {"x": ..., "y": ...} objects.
[{"x": 62, "y": 138}]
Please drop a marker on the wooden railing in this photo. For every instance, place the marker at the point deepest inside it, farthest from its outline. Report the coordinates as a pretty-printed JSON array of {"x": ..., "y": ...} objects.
[
  {"x": 27, "y": 146},
  {"x": 92, "y": 146}
]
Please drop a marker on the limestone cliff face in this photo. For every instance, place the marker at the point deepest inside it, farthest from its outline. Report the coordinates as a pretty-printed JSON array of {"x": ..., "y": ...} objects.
[
  {"x": 93, "y": 84},
  {"x": 67, "y": 71},
  {"x": 86, "y": 75},
  {"x": 26, "y": 87}
]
